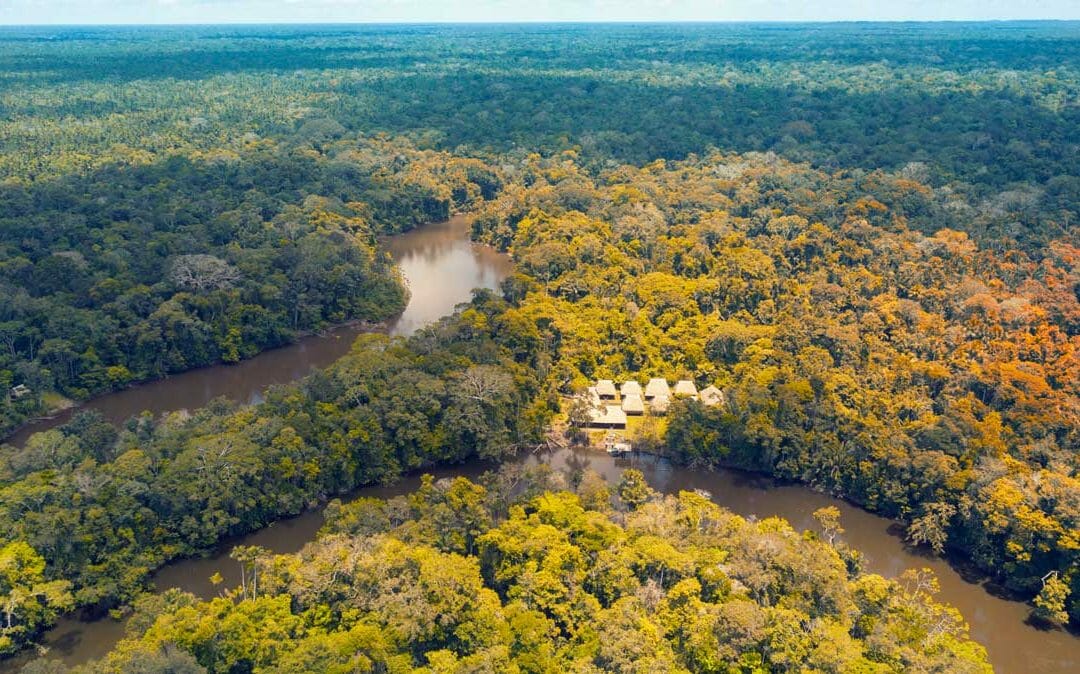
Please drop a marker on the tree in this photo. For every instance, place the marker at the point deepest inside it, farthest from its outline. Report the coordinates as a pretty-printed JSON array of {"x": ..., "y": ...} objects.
[
  {"x": 931, "y": 528},
  {"x": 1052, "y": 599},
  {"x": 249, "y": 557},
  {"x": 633, "y": 489},
  {"x": 168, "y": 659},
  {"x": 828, "y": 518},
  {"x": 27, "y": 601},
  {"x": 484, "y": 384},
  {"x": 202, "y": 272},
  {"x": 578, "y": 417}
]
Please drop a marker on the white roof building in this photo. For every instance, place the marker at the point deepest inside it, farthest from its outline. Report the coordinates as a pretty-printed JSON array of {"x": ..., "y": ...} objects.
[
  {"x": 657, "y": 387},
  {"x": 630, "y": 388},
  {"x": 610, "y": 416},
  {"x": 632, "y": 404},
  {"x": 659, "y": 405},
  {"x": 711, "y": 396},
  {"x": 685, "y": 388},
  {"x": 606, "y": 388}
]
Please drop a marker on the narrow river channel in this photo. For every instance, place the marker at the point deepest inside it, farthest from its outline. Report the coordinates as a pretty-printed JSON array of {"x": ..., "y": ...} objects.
[{"x": 442, "y": 267}]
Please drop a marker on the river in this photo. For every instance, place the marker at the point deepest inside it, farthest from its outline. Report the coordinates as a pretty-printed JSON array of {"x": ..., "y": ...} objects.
[{"x": 441, "y": 267}]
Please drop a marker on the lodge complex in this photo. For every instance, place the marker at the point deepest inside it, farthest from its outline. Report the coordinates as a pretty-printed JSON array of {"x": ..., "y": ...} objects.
[{"x": 611, "y": 406}]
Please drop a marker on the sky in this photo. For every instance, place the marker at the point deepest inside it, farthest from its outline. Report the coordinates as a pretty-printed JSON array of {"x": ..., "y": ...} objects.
[{"x": 364, "y": 11}]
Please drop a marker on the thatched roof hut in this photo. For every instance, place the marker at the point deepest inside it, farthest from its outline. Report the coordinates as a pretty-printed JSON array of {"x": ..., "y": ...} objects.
[
  {"x": 711, "y": 396},
  {"x": 632, "y": 404},
  {"x": 659, "y": 405},
  {"x": 606, "y": 388},
  {"x": 684, "y": 388},
  {"x": 630, "y": 388},
  {"x": 657, "y": 387},
  {"x": 610, "y": 416}
]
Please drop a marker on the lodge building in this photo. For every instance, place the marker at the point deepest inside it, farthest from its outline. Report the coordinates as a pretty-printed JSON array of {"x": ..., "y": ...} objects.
[{"x": 610, "y": 406}]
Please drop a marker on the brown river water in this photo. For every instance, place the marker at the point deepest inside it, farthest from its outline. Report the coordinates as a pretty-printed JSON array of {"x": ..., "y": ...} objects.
[{"x": 442, "y": 267}]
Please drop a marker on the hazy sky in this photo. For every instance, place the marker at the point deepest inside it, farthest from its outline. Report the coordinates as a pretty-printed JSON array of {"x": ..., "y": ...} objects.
[{"x": 259, "y": 11}]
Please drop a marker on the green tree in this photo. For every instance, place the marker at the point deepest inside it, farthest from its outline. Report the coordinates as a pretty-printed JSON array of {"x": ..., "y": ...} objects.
[
  {"x": 633, "y": 489},
  {"x": 28, "y": 602},
  {"x": 1051, "y": 601}
]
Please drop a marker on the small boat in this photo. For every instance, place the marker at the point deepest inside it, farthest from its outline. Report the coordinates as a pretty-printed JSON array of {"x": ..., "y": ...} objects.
[{"x": 618, "y": 448}]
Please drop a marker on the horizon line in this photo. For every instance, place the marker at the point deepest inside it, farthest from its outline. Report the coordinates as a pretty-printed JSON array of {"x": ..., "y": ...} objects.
[{"x": 526, "y": 22}]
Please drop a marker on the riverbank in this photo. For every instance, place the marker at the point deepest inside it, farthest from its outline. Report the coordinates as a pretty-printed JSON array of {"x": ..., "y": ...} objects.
[
  {"x": 438, "y": 261},
  {"x": 62, "y": 412},
  {"x": 438, "y": 258},
  {"x": 243, "y": 382},
  {"x": 450, "y": 266},
  {"x": 1015, "y": 646}
]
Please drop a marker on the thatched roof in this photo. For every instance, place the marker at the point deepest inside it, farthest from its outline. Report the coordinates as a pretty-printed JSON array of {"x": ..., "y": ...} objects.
[
  {"x": 657, "y": 387},
  {"x": 631, "y": 404},
  {"x": 611, "y": 416},
  {"x": 711, "y": 396},
  {"x": 685, "y": 388},
  {"x": 606, "y": 388},
  {"x": 630, "y": 388},
  {"x": 660, "y": 404}
]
